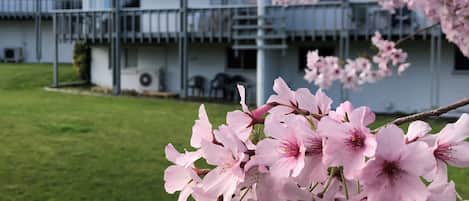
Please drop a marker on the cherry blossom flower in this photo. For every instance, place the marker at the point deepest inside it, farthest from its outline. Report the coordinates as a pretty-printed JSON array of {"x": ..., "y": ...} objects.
[
  {"x": 243, "y": 121},
  {"x": 323, "y": 71},
  {"x": 311, "y": 152},
  {"x": 442, "y": 191},
  {"x": 202, "y": 129},
  {"x": 348, "y": 143},
  {"x": 451, "y": 148},
  {"x": 452, "y": 15},
  {"x": 300, "y": 101},
  {"x": 284, "y": 151},
  {"x": 394, "y": 173},
  {"x": 223, "y": 180},
  {"x": 181, "y": 177}
]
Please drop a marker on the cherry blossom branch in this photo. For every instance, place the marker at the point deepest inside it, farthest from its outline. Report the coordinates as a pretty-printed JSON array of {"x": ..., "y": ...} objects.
[
  {"x": 415, "y": 33},
  {"x": 432, "y": 113}
]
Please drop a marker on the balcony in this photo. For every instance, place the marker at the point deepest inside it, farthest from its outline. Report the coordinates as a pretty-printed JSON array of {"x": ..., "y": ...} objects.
[
  {"x": 28, "y": 9},
  {"x": 223, "y": 24}
]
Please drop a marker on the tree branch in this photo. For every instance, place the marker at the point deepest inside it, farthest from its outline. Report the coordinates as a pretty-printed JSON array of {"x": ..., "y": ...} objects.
[
  {"x": 432, "y": 113},
  {"x": 415, "y": 33}
]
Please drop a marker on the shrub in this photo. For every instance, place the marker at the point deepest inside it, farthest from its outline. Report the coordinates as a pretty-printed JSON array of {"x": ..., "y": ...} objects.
[{"x": 82, "y": 60}]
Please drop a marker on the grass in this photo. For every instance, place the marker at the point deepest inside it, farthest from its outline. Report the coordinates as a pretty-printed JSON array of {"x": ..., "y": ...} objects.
[{"x": 59, "y": 147}]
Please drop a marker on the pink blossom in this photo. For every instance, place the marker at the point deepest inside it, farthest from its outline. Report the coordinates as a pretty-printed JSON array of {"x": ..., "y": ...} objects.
[
  {"x": 284, "y": 151},
  {"x": 417, "y": 130},
  {"x": 394, "y": 173},
  {"x": 224, "y": 179},
  {"x": 348, "y": 143},
  {"x": 180, "y": 177},
  {"x": 202, "y": 129},
  {"x": 442, "y": 191},
  {"x": 314, "y": 169},
  {"x": 452, "y": 15},
  {"x": 340, "y": 114},
  {"x": 243, "y": 121},
  {"x": 451, "y": 148},
  {"x": 300, "y": 101},
  {"x": 323, "y": 71}
]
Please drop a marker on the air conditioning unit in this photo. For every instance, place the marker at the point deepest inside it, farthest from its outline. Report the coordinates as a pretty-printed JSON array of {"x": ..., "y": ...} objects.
[
  {"x": 13, "y": 54},
  {"x": 149, "y": 81}
]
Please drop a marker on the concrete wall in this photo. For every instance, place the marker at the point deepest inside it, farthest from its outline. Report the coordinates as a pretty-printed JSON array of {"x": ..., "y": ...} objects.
[{"x": 21, "y": 33}]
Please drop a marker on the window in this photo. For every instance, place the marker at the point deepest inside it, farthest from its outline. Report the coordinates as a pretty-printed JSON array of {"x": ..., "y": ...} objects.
[
  {"x": 243, "y": 60},
  {"x": 303, "y": 52},
  {"x": 68, "y": 4},
  {"x": 131, "y": 22},
  {"x": 131, "y": 57},
  {"x": 131, "y": 4},
  {"x": 461, "y": 62}
]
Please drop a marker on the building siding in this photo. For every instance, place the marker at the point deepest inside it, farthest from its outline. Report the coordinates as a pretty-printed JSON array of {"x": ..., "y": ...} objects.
[
  {"x": 21, "y": 33},
  {"x": 409, "y": 92}
]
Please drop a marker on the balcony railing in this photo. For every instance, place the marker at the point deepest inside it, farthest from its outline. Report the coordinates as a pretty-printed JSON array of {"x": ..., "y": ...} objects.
[{"x": 322, "y": 20}]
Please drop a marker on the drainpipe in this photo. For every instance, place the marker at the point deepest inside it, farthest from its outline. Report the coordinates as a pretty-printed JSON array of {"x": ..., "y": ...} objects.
[{"x": 261, "y": 58}]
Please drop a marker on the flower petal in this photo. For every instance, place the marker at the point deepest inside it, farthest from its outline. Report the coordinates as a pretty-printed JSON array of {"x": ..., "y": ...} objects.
[{"x": 202, "y": 129}]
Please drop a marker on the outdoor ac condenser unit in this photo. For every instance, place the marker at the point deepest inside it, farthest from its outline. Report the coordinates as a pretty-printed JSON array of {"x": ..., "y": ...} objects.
[
  {"x": 149, "y": 81},
  {"x": 13, "y": 54}
]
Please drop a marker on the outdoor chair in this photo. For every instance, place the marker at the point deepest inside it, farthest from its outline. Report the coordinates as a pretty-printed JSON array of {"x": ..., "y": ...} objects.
[
  {"x": 197, "y": 83},
  {"x": 219, "y": 84},
  {"x": 232, "y": 89}
]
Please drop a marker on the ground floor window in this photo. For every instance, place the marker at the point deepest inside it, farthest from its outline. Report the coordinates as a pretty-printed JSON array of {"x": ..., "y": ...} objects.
[
  {"x": 303, "y": 52},
  {"x": 68, "y": 4},
  {"x": 241, "y": 59},
  {"x": 130, "y": 57},
  {"x": 461, "y": 62}
]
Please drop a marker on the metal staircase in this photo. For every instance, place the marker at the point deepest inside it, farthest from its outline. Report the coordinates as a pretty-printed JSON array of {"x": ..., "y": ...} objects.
[{"x": 245, "y": 30}]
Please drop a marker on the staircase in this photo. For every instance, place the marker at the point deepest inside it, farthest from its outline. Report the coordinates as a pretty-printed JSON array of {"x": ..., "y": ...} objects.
[{"x": 245, "y": 29}]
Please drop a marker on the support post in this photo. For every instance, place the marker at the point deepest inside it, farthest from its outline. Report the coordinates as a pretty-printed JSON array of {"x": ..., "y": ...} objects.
[
  {"x": 37, "y": 27},
  {"x": 261, "y": 57},
  {"x": 55, "y": 76},
  {"x": 116, "y": 46},
  {"x": 435, "y": 62},
  {"x": 344, "y": 44},
  {"x": 183, "y": 46}
]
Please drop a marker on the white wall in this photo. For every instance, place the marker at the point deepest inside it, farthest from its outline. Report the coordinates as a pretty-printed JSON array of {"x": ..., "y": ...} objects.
[
  {"x": 204, "y": 59},
  {"x": 21, "y": 33},
  {"x": 410, "y": 92}
]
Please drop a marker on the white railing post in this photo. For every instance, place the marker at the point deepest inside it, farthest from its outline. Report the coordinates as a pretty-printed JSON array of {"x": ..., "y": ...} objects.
[{"x": 261, "y": 97}]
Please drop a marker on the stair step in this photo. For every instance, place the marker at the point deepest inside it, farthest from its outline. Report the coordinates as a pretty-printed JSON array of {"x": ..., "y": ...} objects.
[
  {"x": 254, "y": 37},
  {"x": 247, "y": 17},
  {"x": 247, "y": 27},
  {"x": 255, "y": 47},
  {"x": 255, "y": 17}
]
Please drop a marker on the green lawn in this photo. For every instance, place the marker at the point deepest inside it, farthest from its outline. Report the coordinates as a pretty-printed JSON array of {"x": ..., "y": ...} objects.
[{"x": 59, "y": 147}]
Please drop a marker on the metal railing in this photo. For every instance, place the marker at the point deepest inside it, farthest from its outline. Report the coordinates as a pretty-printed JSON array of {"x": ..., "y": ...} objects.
[
  {"x": 25, "y": 6},
  {"x": 216, "y": 23}
]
